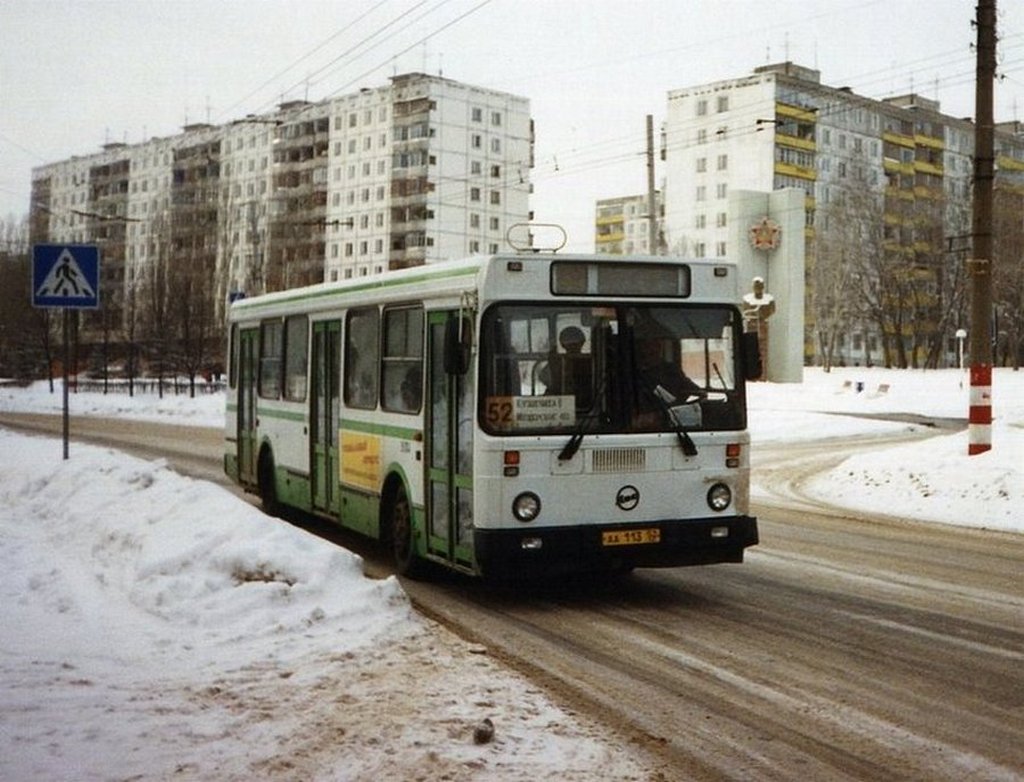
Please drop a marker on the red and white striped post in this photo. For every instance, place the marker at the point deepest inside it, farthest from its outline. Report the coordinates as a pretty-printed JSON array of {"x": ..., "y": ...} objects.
[
  {"x": 979, "y": 425},
  {"x": 979, "y": 429}
]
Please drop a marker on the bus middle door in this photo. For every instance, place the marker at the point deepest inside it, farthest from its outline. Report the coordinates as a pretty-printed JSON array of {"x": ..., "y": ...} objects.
[
  {"x": 324, "y": 412},
  {"x": 450, "y": 416}
]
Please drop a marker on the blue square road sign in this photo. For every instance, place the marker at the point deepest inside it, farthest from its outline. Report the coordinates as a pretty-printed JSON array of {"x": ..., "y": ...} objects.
[{"x": 66, "y": 275}]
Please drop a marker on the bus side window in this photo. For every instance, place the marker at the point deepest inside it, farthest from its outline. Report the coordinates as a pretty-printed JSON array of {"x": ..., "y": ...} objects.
[
  {"x": 295, "y": 357},
  {"x": 271, "y": 348},
  {"x": 403, "y": 359},
  {"x": 361, "y": 349}
]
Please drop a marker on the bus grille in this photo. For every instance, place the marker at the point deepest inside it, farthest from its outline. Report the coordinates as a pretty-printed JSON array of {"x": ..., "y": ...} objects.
[{"x": 619, "y": 460}]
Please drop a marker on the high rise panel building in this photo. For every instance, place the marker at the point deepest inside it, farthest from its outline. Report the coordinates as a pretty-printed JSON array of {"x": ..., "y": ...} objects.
[
  {"x": 419, "y": 170},
  {"x": 622, "y": 226},
  {"x": 888, "y": 180}
]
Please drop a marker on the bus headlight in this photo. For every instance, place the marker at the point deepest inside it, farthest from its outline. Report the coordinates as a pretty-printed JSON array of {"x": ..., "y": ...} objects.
[
  {"x": 526, "y": 507},
  {"x": 719, "y": 497}
]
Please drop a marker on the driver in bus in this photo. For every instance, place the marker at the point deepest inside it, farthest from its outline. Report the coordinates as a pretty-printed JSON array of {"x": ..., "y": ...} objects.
[{"x": 660, "y": 382}]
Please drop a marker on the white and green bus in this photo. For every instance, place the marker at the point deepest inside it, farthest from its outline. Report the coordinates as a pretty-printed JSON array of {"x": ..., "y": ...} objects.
[{"x": 505, "y": 415}]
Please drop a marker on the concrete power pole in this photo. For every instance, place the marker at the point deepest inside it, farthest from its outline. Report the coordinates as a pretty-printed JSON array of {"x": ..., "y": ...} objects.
[
  {"x": 652, "y": 206},
  {"x": 980, "y": 266}
]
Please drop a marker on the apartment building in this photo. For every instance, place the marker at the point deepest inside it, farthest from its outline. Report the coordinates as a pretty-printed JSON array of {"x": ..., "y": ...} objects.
[
  {"x": 622, "y": 226},
  {"x": 419, "y": 170},
  {"x": 899, "y": 166}
]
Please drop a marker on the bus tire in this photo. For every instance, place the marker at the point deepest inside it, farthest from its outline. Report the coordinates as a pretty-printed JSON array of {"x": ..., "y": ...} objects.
[
  {"x": 401, "y": 535},
  {"x": 267, "y": 484}
]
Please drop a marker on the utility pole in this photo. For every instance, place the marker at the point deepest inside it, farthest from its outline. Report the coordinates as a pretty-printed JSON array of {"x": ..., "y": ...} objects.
[
  {"x": 980, "y": 265},
  {"x": 652, "y": 206}
]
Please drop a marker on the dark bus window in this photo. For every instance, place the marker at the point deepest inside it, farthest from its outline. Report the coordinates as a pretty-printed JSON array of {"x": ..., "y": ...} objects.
[
  {"x": 295, "y": 355},
  {"x": 362, "y": 328}
]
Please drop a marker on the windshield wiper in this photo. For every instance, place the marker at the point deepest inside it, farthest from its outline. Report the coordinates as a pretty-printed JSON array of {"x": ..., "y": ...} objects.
[
  {"x": 576, "y": 439},
  {"x": 685, "y": 441}
]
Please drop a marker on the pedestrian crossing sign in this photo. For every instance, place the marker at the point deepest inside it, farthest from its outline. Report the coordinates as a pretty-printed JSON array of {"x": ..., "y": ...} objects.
[{"x": 66, "y": 275}]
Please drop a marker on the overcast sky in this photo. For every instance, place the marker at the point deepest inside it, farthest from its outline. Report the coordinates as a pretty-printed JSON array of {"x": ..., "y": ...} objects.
[{"x": 75, "y": 74}]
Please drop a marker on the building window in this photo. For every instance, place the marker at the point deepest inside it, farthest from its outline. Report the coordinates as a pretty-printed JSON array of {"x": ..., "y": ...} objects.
[
  {"x": 720, "y": 249},
  {"x": 702, "y": 107},
  {"x": 474, "y": 194},
  {"x": 702, "y": 136},
  {"x": 723, "y": 103},
  {"x": 477, "y": 114},
  {"x": 720, "y": 219},
  {"x": 495, "y": 197},
  {"x": 702, "y": 193},
  {"x": 723, "y": 162},
  {"x": 477, "y": 141},
  {"x": 702, "y": 165},
  {"x": 701, "y": 221},
  {"x": 721, "y": 190}
]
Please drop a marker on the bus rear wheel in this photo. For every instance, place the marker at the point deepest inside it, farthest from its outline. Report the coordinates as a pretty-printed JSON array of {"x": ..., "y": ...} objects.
[{"x": 403, "y": 545}]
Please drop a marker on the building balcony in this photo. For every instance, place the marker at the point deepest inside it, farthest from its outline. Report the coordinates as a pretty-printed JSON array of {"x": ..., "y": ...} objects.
[
  {"x": 800, "y": 172},
  {"x": 1006, "y": 163},
  {"x": 796, "y": 112},
  {"x": 929, "y": 141},
  {"x": 610, "y": 237},
  {"x": 928, "y": 168},
  {"x": 898, "y": 139},
  {"x": 796, "y": 142}
]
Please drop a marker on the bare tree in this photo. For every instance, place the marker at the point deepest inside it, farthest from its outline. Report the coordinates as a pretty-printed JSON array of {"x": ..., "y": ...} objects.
[{"x": 845, "y": 246}]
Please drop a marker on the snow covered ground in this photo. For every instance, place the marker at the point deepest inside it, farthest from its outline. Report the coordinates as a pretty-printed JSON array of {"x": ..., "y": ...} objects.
[{"x": 157, "y": 627}]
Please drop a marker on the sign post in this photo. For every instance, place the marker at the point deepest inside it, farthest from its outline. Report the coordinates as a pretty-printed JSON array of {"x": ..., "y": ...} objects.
[{"x": 66, "y": 276}]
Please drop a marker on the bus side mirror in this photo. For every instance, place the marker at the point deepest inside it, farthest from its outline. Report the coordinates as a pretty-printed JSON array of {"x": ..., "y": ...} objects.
[
  {"x": 752, "y": 368},
  {"x": 456, "y": 346}
]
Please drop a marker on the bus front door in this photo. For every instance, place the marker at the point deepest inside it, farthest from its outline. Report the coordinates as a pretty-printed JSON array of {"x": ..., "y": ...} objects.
[
  {"x": 449, "y": 501},
  {"x": 324, "y": 411},
  {"x": 248, "y": 339}
]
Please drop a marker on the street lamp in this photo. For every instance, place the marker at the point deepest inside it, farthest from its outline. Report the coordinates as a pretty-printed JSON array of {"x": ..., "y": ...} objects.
[{"x": 961, "y": 335}]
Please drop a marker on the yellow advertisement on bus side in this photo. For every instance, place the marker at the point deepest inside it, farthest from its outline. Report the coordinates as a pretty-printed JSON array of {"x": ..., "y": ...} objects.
[{"x": 360, "y": 460}]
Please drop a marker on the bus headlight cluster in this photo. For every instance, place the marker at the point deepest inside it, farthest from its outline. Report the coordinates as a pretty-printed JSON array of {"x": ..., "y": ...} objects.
[
  {"x": 719, "y": 497},
  {"x": 526, "y": 507}
]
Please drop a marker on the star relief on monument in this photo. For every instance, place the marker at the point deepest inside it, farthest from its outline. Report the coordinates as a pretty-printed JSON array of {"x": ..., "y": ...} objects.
[{"x": 765, "y": 234}]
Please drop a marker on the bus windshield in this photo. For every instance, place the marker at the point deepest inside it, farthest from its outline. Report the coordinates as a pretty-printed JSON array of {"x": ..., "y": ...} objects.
[{"x": 612, "y": 368}]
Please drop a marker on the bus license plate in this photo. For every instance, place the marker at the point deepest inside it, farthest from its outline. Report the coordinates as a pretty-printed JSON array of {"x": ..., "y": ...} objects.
[{"x": 630, "y": 537}]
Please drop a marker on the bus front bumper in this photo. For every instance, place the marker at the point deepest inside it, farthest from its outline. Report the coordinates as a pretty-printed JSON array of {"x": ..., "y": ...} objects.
[{"x": 531, "y": 551}]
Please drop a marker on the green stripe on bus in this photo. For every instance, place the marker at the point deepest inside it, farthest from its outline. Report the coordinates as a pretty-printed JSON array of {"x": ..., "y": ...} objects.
[{"x": 284, "y": 415}]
